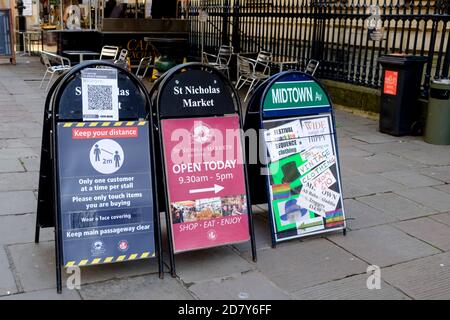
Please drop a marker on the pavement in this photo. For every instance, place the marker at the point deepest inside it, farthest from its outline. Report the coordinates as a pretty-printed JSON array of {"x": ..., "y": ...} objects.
[{"x": 397, "y": 200}]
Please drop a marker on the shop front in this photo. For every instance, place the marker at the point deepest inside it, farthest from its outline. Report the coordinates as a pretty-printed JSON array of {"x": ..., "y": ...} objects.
[{"x": 140, "y": 26}]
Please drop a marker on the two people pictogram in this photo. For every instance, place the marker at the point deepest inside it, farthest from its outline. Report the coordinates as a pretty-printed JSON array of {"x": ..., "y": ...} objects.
[{"x": 116, "y": 156}]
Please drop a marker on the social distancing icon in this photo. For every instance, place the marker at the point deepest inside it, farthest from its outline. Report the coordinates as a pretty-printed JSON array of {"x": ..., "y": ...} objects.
[{"x": 106, "y": 156}]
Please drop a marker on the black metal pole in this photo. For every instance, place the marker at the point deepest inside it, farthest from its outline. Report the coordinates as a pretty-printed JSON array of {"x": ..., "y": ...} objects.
[
  {"x": 37, "y": 230},
  {"x": 236, "y": 36},
  {"x": 245, "y": 164},
  {"x": 163, "y": 173},
  {"x": 58, "y": 248}
]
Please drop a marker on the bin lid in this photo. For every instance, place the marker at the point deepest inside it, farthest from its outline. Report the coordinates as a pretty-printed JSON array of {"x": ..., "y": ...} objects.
[
  {"x": 443, "y": 84},
  {"x": 401, "y": 59}
]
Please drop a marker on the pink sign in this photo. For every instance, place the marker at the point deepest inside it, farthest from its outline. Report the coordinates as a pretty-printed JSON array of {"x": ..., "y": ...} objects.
[{"x": 205, "y": 181}]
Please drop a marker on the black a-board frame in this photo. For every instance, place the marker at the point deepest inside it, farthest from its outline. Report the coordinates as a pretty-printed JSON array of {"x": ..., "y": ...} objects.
[
  {"x": 48, "y": 208},
  {"x": 155, "y": 97},
  {"x": 254, "y": 117}
]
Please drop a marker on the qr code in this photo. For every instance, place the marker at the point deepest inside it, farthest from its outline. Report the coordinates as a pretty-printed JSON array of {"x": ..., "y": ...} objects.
[{"x": 99, "y": 97}]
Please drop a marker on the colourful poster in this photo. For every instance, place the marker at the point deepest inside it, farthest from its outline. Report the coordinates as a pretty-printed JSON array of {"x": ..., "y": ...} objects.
[
  {"x": 304, "y": 182},
  {"x": 205, "y": 182}
]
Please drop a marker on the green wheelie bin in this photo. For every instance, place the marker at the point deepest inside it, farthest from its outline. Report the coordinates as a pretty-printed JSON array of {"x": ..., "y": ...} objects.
[{"x": 437, "y": 130}]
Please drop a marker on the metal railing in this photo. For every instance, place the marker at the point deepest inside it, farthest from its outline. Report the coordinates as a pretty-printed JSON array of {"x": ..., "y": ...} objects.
[{"x": 331, "y": 31}]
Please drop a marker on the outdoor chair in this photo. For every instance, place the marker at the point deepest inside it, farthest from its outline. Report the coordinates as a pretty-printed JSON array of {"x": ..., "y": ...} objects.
[
  {"x": 311, "y": 67},
  {"x": 252, "y": 72},
  {"x": 145, "y": 64},
  {"x": 53, "y": 64},
  {"x": 264, "y": 57},
  {"x": 109, "y": 52},
  {"x": 122, "y": 60},
  {"x": 123, "y": 55},
  {"x": 221, "y": 61}
]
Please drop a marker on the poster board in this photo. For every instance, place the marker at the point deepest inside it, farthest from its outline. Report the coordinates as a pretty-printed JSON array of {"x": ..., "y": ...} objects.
[
  {"x": 205, "y": 174},
  {"x": 207, "y": 197},
  {"x": 6, "y": 36},
  {"x": 96, "y": 179},
  {"x": 105, "y": 189},
  {"x": 28, "y": 10},
  {"x": 303, "y": 175}
]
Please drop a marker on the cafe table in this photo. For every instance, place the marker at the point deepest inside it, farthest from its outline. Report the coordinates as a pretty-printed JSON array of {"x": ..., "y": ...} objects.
[{"x": 81, "y": 53}]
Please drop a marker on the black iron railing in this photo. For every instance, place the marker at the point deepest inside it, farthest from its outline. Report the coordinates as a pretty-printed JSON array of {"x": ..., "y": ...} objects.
[{"x": 332, "y": 31}]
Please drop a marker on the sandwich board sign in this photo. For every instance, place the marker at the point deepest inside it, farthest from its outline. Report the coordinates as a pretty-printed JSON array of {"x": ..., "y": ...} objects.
[
  {"x": 202, "y": 159},
  {"x": 105, "y": 192},
  {"x": 304, "y": 190},
  {"x": 99, "y": 175}
]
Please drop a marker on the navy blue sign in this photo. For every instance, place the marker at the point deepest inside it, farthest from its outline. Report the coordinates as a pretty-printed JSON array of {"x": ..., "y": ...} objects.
[{"x": 105, "y": 183}]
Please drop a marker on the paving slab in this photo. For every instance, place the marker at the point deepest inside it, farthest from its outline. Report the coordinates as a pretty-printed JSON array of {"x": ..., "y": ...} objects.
[
  {"x": 214, "y": 263},
  {"x": 360, "y": 215},
  {"x": 19, "y": 181},
  {"x": 7, "y": 282},
  {"x": 441, "y": 173},
  {"x": 296, "y": 265},
  {"x": 368, "y": 184},
  {"x": 389, "y": 146},
  {"x": 428, "y": 230},
  {"x": 383, "y": 245},
  {"x": 365, "y": 127},
  {"x": 15, "y": 153},
  {"x": 17, "y": 202},
  {"x": 48, "y": 294},
  {"x": 351, "y": 288},
  {"x": 350, "y": 151},
  {"x": 396, "y": 206},
  {"x": 348, "y": 141},
  {"x": 426, "y": 278},
  {"x": 428, "y": 196},
  {"x": 372, "y": 137},
  {"x": 35, "y": 267},
  {"x": 431, "y": 157},
  {"x": 377, "y": 163},
  {"x": 411, "y": 178},
  {"x": 444, "y": 187},
  {"x": 148, "y": 287},
  {"x": 442, "y": 218},
  {"x": 10, "y": 133},
  {"x": 31, "y": 163},
  {"x": 263, "y": 240},
  {"x": 249, "y": 286},
  {"x": 20, "y": 229},
  {"x": 346, "y": 172},
  {"x": 11, "y": 165},
  {"x": 19, "y": 143}
]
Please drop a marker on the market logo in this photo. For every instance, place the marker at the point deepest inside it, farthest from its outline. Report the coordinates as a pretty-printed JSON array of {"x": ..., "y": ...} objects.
[
  {"x": 123, "y": 245},
  {"x": 212, "y": 235},
  {"x": 98, "y": 248},
  {"x": 201, "y": 133}
]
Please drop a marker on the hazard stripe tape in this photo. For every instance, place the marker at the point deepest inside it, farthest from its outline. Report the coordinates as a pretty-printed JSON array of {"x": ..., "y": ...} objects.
[
  {"x": 88, "y": 262},
  {"x": 104, "y": 124}
]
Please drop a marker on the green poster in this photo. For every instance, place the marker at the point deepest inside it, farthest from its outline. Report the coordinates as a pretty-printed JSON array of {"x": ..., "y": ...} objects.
[{"x": 305, "y": 192}]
